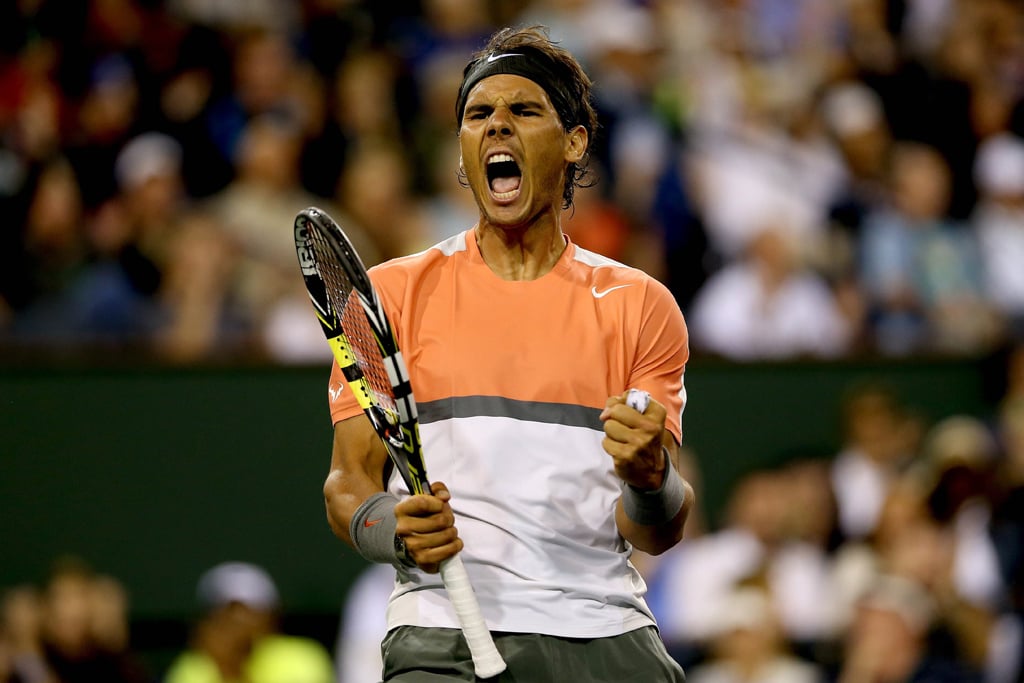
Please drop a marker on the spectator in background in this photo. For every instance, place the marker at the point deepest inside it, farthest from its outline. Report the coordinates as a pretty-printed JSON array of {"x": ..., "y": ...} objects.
[
  {"x": 237, "y": 638},
  {"x": 957, "y": 463},
  {"x": 40, "y": 268},
  {"x": 636, "y": 143},
  {"x": 853, "y": 116},
  {"x": 32, "y": 107},
  {"x": 263, "y": 65},
  {"x": 184, "y": 100},
  {"x": 22, "y": 656},
  {"x": 748, "y": 645},
  {"x": 148, "y": 173},
  {"x": 998, "y": 220},
  {"x": 361, "y": 107},
  {"x": 376, "y": 195},
  {"x": 768, "y": 305},
  {"x": 888, "y": 639},
  {"x": 202, "y": 313},
  {"x": 859, "y": 561},
  {"x": 880, "y": 438},
  {"x": 920, "y": 269},
  {"x": 107, "y": 118},
  {"x": 688, "y": 258},
  {"x": 85, "y": 628}
]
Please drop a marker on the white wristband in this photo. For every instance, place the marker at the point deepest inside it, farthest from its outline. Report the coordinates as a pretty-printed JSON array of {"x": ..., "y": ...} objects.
[{"x": 653, "y": 508}]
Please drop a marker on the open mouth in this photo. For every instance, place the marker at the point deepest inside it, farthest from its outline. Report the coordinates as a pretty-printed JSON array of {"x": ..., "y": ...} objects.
[{"x": 503, "y": 176}]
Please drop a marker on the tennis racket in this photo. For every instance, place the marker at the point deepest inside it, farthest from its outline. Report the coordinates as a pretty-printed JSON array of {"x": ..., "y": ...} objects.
[{"x": 365, "y": 348}]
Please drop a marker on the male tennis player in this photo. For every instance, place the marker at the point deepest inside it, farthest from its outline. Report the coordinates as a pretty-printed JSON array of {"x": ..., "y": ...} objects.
[{"x": 521, "y": 347}]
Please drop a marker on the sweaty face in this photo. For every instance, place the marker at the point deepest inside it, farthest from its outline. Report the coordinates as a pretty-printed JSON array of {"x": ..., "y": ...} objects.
[{"x": 515, "y": 150}]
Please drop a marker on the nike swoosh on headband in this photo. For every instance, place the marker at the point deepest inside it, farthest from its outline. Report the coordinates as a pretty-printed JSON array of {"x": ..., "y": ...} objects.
[{"x": 493, "y": 57}]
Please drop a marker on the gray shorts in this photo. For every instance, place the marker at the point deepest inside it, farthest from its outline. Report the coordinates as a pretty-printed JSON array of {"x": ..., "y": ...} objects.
[{"x": 414, "y": 655}]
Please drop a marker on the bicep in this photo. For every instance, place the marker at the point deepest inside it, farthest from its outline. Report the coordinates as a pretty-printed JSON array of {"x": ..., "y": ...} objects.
[
  {"x": 661, "y": 353},
  {"x": 357, "y": 452}
]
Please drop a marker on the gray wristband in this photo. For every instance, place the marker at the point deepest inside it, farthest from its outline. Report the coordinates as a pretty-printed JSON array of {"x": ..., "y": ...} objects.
[
  {"x": 373, "y": 529},
  {"x": 652, "y": 508}
]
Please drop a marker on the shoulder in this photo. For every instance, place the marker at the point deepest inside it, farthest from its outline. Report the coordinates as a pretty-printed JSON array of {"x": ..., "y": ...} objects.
[
  {"x": 604, "y": 275},
  {"x": 403, "y": 268}
]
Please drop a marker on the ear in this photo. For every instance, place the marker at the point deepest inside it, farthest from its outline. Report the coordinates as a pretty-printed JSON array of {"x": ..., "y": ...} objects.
[{"x": 577, "y": 141}]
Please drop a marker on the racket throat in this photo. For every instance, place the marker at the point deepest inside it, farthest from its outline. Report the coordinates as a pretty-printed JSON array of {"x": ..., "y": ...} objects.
[{"x": 386, "y": 428}]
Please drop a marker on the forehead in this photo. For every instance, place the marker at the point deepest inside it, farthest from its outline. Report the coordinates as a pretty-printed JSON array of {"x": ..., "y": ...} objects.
[{"x": 508, "y": 87}]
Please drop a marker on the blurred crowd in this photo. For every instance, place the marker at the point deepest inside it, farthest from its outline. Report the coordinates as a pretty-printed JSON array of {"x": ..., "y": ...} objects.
[
  {"x": 76, "y": 626},
  {"x": 809, "y": 177},
  {"x": 894, "y": 556},
  {"x": 897, "y": 558}
]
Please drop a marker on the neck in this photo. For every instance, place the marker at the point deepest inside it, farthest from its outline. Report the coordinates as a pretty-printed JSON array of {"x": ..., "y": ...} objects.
[{"x": 520, "y": 253}]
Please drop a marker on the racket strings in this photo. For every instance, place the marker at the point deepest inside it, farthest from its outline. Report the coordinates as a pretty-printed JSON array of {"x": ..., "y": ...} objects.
[
  {"x": 344, "y": 299},
  {"x": 367, "y": 351}
]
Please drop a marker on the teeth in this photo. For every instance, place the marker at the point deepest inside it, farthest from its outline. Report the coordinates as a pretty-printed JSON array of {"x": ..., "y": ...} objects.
[
  {"x": 506, "y": 195},
  {"x": 499, "y": 158}
]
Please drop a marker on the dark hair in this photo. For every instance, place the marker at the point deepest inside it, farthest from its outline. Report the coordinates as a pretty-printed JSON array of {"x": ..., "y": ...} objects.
[{"x": 563, "y": 78}]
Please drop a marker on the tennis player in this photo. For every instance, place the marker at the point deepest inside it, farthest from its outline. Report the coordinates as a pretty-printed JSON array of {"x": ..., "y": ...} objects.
[{"x": 521, "y": 347}]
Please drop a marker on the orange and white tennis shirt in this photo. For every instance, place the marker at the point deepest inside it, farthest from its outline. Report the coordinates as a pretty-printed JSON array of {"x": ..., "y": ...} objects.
[{"x": 510, "y": 378}]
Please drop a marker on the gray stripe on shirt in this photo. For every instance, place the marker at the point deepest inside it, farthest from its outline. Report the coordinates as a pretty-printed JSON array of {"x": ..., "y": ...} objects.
[{"x": 498, "y": 406}]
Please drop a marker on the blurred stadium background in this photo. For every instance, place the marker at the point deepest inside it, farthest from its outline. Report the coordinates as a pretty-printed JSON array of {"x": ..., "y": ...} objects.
[{"x": 832, "y": 189}]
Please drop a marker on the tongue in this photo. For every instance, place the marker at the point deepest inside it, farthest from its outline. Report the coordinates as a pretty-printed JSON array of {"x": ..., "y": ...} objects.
[{"x": 502, "y": 185}]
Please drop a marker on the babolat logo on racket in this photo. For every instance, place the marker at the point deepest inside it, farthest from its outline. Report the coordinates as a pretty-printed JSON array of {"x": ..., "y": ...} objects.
[{"x": 303, "y": 249}]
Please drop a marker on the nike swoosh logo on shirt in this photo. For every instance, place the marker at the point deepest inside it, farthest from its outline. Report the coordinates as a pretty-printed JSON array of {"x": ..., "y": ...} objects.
[
  {"x": 601, "y": 295},
  {"x": 370, "y": 522},
  {"x": 493, "y": 57}
]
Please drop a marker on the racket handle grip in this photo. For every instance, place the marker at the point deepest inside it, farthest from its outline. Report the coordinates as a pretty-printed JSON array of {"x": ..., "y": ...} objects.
[{"x": 487, "y": 661}]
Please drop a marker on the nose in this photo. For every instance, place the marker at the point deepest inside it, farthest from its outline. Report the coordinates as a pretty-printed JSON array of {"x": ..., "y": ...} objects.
[{"x": 498, "y": 125}]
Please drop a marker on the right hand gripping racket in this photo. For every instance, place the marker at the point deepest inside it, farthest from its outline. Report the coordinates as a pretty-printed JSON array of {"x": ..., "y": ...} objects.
[{"x": 365, "y": 348}]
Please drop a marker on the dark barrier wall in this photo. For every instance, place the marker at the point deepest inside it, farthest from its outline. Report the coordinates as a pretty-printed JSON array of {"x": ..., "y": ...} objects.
[{"x": 155, "y": 474}]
